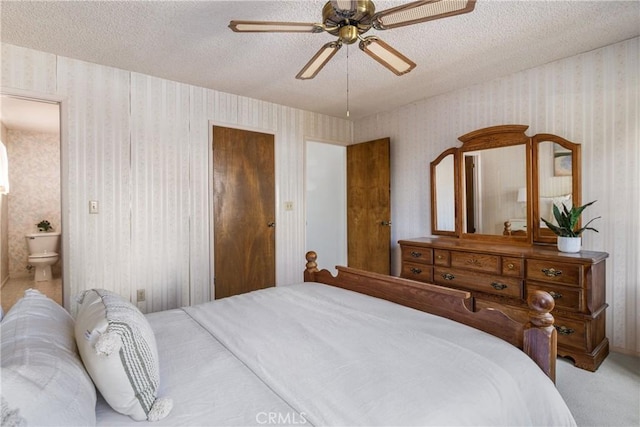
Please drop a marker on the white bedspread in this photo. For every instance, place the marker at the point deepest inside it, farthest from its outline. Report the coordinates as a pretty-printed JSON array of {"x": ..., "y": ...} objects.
[{"x": 318, "y": 355}]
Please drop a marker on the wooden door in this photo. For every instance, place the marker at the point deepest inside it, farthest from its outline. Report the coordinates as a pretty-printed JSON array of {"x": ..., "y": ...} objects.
[
  {"x": 369, "y": 206},
  {"x": 244, "y": 211}
]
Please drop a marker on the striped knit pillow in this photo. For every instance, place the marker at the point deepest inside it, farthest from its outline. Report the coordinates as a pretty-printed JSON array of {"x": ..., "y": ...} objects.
[{"x": 119, "y": 351}]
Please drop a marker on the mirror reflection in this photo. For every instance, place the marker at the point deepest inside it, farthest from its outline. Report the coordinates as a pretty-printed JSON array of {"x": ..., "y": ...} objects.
[
  {"x": 444, "y": 193},
  {"x": 555, "y": 180},
  {"x": 494, "y": 190}
]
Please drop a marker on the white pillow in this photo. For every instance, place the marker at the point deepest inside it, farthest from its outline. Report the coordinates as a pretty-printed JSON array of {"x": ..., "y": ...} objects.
[
  {"x": 43, "y": 379},
  {"x": 119, "y": 351}
]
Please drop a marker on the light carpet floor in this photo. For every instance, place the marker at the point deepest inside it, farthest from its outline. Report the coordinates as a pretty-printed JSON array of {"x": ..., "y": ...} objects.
[{"x": 608, "y": 397}]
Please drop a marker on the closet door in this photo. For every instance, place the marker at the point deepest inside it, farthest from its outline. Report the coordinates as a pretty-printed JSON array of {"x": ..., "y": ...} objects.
[
  {"x": 369, "y": 206},
  {"x": 244, "y": 211}
]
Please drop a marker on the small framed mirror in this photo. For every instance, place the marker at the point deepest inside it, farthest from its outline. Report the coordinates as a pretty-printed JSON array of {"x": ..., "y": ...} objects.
[
  {"x": 556, "y": 181},
  {"x": 444, "y": 171}
]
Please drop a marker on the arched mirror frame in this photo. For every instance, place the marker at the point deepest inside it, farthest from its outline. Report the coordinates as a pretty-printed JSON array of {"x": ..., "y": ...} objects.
[
  {"x": 453, "y": 152},
  {"x": 542, "y": 234},
  {"x": 499, "y": 136}
]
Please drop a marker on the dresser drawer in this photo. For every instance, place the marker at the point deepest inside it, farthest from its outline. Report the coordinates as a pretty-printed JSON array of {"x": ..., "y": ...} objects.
[
  {"x": 415, "y": 271},
  {"x": 571, "y": 333},
  {"x": 566, "y": 298},
  {"x": 476, "y": 261},
  {"x": 442, "y": 258},
  {"x": 512, "y": 267},
  {"x": 505, "y": 286},
  {"x": 417, "y": 254},
  {"x": 554, "y": 272}
]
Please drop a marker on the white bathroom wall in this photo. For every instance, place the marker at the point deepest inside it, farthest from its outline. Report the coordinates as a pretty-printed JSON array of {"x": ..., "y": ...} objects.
[
  {"x": 141, "y": 147},
  {"x": 592, "y": 99}
]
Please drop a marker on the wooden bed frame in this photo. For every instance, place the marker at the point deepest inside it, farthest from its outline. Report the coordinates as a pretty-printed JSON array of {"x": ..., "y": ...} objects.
[{"x": 537, "y": 338}]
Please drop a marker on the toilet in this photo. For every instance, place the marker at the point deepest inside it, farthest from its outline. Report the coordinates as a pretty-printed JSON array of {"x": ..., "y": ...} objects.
[{"x": 43, "y": 253}]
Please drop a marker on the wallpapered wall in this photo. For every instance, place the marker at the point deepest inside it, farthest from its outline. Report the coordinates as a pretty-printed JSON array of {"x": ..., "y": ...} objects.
[
  {"x": 34, "y": 175},
  {"x": 592, "y": 99},
  {"x": 140, "y": 146}
]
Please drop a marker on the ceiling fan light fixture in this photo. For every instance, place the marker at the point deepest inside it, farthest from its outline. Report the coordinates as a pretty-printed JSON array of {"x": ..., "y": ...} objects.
[
  {"x": 349, "y": 20},
  {"x": 386, "y": 55},
  {"x": 319, "y": 60},
  {"x": 348, "y": 34}
]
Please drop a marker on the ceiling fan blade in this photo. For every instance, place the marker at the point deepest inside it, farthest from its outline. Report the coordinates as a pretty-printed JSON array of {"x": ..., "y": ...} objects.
[
  {"x": 420, "y": 11},
  {"x": 319, "y": 60},
  {"x": 386, "y": 55},
  {"x": 275, "y": 27}
]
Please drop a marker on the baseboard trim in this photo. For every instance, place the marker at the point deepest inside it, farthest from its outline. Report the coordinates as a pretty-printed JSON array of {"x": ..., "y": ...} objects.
[{"x": 624, "y": 351}]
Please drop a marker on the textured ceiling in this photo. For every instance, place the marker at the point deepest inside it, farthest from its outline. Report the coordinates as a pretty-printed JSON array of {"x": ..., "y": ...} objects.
[{"x": 190, "y": 42}]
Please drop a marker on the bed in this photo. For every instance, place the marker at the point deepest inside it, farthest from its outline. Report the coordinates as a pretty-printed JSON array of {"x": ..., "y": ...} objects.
[{"x": 354, "y": 349}]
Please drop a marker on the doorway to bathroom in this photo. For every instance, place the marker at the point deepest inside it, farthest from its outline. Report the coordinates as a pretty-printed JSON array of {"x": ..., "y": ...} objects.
[{"x": 30, "y": 202}]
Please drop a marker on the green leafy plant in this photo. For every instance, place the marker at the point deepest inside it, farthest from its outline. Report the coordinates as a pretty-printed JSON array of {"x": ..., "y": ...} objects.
[
  {"x": 44, "y": 225},
  {"x": 567, "y": 220}
]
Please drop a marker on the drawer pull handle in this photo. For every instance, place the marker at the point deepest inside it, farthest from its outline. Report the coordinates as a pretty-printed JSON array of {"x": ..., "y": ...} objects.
[
  {"x": 551, "y": 272},
  {"x": 555, "y": 295},
  {"x": 563, "y": 330},
  {"x": 448, "y": 276},
  {"x": 511, "y": 266},
  {"x": 440, "y": 257},
  {"x": 415, "y": 270},
  {"x": 498, "y": 286},
  {"x": 416, "y": 254}
]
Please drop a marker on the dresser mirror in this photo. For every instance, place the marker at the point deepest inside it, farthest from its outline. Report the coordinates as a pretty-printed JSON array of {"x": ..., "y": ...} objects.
[
  {"x": 500, "y": 182},
  {"x": 494, "y": 190},
  {"x": 443, "y": 193},
  {"x": 556, "y": 177}
]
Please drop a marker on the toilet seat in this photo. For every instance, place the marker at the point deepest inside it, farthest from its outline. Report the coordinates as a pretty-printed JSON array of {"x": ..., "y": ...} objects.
[{"x": 43, "y": 255}]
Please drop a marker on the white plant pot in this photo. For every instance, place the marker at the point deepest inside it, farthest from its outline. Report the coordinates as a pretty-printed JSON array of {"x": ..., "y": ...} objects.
[{"x": 569, "y": 244}]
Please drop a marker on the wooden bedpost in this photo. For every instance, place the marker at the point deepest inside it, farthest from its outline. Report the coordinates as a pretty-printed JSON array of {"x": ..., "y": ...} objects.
[
  {"x": 312, "y": 266},
  {"x": 540, "y": 337}
]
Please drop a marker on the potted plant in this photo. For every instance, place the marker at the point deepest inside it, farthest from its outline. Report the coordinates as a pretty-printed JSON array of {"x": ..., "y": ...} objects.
[
  {"x": 44, "y": 226},
  {"x": 567, "y": 227}
]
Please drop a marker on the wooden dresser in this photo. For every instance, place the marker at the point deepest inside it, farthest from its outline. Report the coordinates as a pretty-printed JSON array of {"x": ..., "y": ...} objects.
[{"x": 500, "y": 275}]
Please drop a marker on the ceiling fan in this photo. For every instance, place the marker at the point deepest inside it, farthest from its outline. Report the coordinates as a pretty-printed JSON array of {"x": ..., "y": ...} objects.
[{"x": 349, "y": 19}]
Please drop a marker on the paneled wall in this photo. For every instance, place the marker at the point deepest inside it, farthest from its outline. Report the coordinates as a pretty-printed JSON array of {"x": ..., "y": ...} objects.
[
  {"x": 141, "y": 147},
  {"x": 592, "y": 99}
]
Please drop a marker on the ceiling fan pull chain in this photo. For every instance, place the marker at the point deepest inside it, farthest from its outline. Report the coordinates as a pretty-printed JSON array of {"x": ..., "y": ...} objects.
[{"x": 347, "y": 80}]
